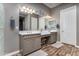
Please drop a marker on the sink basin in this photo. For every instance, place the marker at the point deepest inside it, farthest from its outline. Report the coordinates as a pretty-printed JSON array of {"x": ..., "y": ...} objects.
[
  {"x": 53, "y": 31},
  {"x": 45, "y": 32}
]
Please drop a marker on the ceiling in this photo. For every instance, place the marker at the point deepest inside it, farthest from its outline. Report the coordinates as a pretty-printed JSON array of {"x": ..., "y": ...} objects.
[{"x": 52, "y": 5}]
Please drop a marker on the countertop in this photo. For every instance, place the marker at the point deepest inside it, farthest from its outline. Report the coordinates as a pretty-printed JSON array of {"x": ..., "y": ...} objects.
[
  {"x": 29, "y": 32},
  {"x": 44, "y": 32}
]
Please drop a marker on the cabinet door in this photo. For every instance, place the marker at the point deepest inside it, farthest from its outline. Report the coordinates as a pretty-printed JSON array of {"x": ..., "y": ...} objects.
[
  {"x": 37, "y": 43},
  {"x": 27, "y": 46},
  {"x": 53, "y": 38}
]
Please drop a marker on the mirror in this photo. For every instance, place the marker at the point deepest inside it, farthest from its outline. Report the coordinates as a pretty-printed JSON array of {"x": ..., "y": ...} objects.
[
  {"x": 33, "y": 22},
  {"x": 47, "y": 24},
  {"x": 52, "y": 25},
  {"x": 28, "y": 22}
]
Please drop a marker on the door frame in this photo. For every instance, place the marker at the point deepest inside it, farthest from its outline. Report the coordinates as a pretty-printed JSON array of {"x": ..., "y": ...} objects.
[{"x": 76, "y": 25}]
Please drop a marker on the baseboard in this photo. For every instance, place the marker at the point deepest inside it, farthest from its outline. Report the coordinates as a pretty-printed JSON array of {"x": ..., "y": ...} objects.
[
  {"x": 14, "y": 53},
  {"x": 70, "y": 44},
  {"x": 76, "y": 46}
]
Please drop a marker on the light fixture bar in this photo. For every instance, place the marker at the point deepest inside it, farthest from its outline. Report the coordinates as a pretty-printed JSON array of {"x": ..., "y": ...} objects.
[{"x": 27, "y": 10}]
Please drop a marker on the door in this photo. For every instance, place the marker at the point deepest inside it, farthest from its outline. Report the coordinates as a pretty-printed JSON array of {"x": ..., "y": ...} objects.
[
  {"x": 37, "y": 43},
  {"x": 68, "y": 25}
]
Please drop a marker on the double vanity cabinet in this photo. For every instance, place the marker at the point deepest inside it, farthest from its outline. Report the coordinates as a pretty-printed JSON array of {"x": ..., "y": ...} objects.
[{"x": 32, "y": 42}]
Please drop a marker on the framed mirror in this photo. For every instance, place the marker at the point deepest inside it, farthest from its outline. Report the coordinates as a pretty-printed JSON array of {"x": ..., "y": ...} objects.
[{"x": 52, "y": 24}]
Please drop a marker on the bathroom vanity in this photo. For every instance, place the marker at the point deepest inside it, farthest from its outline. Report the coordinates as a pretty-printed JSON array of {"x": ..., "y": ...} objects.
[
  {"x": 34, "y": 31},
  {"x": 29, "y": 42}
]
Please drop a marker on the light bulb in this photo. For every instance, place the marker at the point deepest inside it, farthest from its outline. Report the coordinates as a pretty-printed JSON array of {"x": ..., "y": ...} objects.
[
  {"x": 24, "y": 7},
  {"x": 21, "y": 10},
  {"x": 33, "y": 11},
  {"x": 27, "y": 8},
  {"x": 30, "y": 10}
]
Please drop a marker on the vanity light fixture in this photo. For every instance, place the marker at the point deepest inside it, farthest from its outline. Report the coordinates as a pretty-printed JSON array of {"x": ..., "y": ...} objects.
[
  {"x": 27, "y": 10},
  {"x": 47, "y": 17}
]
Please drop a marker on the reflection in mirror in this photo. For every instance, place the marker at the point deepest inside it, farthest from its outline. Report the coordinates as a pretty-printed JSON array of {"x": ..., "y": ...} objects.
[
  {"x": 47, "y": 24},
  {"x": 41, "y": 23},
  {"x": 52, "y": 24},
  {"x": 34, "y": 22},
  {"x": 28, "y": 22},
  {"x": 22, "y": 22}
]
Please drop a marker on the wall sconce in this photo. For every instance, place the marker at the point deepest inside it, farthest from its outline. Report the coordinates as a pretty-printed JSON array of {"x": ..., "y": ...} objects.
[{"x": 27, "y": 10}]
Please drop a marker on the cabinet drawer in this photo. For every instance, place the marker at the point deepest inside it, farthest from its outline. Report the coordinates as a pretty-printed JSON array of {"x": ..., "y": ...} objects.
[{"x": 30, "y": 36}]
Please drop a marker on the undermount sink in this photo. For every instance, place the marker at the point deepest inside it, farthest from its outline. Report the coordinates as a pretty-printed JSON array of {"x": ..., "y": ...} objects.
[{"x": 45, "y": 32}]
